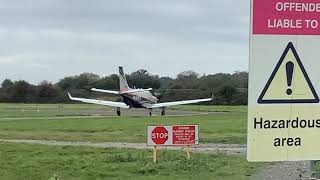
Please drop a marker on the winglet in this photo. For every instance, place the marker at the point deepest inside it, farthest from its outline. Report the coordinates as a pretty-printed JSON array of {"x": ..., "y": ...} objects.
[
  {"x": 70, "y": 97},
  {"x": 212, "y": 96}
]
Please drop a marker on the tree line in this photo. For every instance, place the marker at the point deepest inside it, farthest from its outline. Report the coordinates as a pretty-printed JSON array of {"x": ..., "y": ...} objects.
[{"x": 226, "y": 88}]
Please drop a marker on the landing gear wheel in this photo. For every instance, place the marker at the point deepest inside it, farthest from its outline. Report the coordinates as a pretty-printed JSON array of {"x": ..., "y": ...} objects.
[
  {"x": 150, "y": 112},
  {"x": 118, "y": 112}
]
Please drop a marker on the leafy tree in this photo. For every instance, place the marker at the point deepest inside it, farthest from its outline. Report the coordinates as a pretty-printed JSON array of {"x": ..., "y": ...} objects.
[
  {"x": 187, "y": 80},
  {"x": 86, "y": 80},
  {"x": 46, "y": 92},
  {"x": 22, "y": 91},
  {"x": 108, "y": 82},
  {"x": 227, "y": 88},
  {"x": 227, "y": 93},
  {"x": 7, "y": 83},
  {"x": 67, "y": 82},
  {"x": 142, "y": 79}
]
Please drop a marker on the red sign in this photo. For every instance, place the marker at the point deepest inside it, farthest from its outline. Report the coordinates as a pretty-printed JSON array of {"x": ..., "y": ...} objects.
[
  {"x": 184, "y": 134},
  {"x": 175, "y": 135},
  {"x": 159, "y": 135},
  {"x": 283, "y": 17}
]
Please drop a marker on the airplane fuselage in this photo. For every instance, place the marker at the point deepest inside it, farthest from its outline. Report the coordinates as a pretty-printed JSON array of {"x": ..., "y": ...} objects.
[{"x": 139, "y": 99}]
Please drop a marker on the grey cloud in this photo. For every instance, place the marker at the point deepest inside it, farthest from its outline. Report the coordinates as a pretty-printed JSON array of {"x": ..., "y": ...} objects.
[{"x": 166, "y": 37}]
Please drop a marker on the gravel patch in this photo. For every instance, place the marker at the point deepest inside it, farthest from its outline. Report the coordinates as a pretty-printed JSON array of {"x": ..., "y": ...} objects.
[
  {"x": 216, "y": 148},
  {"x": 290, "y": 170}
]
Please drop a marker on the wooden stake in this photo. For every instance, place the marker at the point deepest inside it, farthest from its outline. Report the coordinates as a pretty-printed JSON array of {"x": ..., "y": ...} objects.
[
  {"x": 155, "y": 154},
  {"x": 188, "y": 152}
]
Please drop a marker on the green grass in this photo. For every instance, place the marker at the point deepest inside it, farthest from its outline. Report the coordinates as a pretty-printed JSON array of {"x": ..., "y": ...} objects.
[
  {"x": 216, "y": 128},
  {"x": 47, "y": 110},
  {"x": 226, "y": 127},
  {"x": 24, "y": 161},
  {"x": 316, "y": 173}
]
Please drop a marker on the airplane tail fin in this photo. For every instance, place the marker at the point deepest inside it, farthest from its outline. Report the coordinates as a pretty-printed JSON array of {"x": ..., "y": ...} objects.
[{"x": 122, "y": 80}]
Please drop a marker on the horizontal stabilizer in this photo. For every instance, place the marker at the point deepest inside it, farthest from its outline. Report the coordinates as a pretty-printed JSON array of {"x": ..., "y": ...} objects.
[
  {"x": 135, "y": 90},
  {"x": 105, "y": 91},
  {"x": 101, "y": 102}
]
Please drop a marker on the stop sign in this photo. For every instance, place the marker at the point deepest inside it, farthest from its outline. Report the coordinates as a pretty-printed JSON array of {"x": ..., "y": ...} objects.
[{"x": 159, "y": 135}]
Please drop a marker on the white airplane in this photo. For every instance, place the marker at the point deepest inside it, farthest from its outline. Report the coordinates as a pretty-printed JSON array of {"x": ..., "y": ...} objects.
[{"x": 134, "y": 98}]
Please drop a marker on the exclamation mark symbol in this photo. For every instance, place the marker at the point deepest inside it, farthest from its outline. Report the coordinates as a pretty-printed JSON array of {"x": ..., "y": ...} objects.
[{"x": 289, "y": 70}]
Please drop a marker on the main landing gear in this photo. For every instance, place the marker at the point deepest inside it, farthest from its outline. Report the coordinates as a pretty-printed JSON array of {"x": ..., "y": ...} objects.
[
  {"x": 163, "y": 112},
  {"x": 118, "y": 111}
]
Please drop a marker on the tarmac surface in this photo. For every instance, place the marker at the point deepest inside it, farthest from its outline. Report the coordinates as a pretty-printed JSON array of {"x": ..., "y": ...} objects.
[{"x": 108, "y": 112}]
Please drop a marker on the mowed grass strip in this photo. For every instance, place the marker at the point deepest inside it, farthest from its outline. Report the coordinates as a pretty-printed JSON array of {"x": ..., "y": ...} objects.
[
  {"x": 227, "y": 128},
  {"x": 47, "y": 110},
  {"x": 26, "y": 161}
]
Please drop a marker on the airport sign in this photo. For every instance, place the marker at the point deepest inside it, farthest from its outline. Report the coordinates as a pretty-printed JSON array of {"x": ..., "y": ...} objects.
[
  {"x": 284, "y": 81},
  {"x": 159, "y": 135},
  {"x": 174, "y": 135}
]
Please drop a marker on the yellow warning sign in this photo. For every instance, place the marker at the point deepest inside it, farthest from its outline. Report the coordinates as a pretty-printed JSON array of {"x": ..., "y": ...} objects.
[
  {"x": 283, "y": 110},
  {"x": 289, "y": 81},
  {"x": 284, "y": 84}
]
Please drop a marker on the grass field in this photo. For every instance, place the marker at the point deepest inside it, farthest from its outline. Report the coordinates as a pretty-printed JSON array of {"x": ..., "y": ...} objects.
[
  {"x": 68, "y": 123},
  {"x": 47, "y": 110},
  {"x": 22, "y": 161},
  {"x": 228, "y": 126}
]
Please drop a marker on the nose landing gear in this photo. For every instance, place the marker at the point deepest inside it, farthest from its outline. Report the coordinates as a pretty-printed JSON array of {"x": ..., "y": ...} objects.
[
  {"x": 163, "y": 111},
  {"x": 118, "y": 111}
]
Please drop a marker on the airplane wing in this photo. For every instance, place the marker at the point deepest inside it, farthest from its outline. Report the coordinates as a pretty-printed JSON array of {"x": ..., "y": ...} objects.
[
  {"x": 101, "y": 102},
  {"x": 104, "y": 91},
  {"x": 159, "y": 105}
]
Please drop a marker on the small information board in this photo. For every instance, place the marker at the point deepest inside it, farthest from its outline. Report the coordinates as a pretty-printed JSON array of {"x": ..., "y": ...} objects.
[{"x": 175, "y": 135}]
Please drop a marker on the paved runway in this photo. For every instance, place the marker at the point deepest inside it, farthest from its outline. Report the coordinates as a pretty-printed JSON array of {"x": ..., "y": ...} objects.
[
  {"x": 141, "y": 112},
  {"x": 102, "y": 112}
]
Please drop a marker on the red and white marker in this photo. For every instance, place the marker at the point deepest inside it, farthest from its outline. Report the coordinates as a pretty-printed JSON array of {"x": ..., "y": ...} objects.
[
  {"x": 177, "y": 135},
  {"x": 159, "y": 135}
]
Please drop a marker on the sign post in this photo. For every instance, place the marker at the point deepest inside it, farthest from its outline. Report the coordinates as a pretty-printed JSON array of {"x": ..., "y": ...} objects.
[
  {"x": 188, "y": 152},
  {"x": 155, "y": 154},
  {"x": 175, "y": 135},
  {"x": 284, "y": 81}
]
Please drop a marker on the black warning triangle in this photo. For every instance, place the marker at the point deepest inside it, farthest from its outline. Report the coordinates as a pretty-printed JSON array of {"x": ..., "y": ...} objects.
[{"x": 312, "y": 98}]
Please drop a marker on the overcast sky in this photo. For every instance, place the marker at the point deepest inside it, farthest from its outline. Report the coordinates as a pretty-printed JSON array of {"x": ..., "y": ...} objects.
[{"x": 51, "y": 39}]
